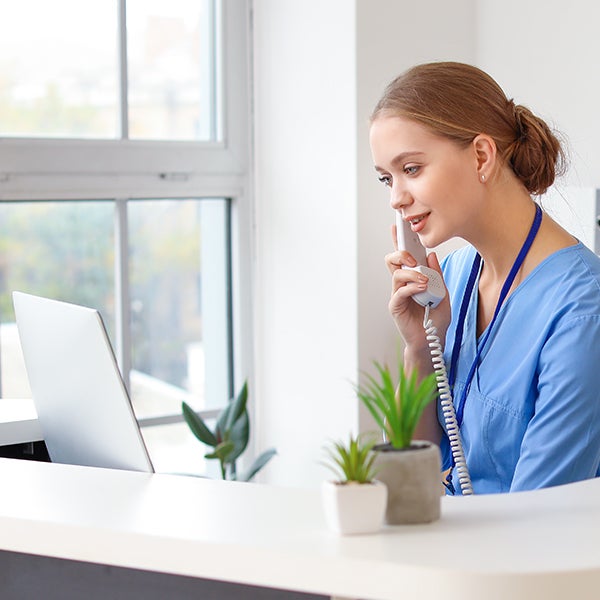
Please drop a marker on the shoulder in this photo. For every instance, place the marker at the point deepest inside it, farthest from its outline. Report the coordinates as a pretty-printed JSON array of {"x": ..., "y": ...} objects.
[
  {"x": 578, "y": 253},
  {"x": 573, "y": 272},
  {"x": 562, "y": 294}
]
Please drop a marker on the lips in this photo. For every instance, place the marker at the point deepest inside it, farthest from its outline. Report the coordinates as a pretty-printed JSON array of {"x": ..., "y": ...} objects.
[{"x": 417, "y": 222}]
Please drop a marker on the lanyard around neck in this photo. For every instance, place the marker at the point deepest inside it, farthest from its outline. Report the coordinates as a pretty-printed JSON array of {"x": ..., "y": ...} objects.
[{"x": 465, "y": 305}]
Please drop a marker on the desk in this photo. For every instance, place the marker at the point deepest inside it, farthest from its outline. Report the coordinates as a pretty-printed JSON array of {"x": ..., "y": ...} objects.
[{"x": 528, "y": 545}]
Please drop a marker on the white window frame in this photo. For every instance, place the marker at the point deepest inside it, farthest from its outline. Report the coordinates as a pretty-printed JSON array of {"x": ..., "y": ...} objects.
[
  {"x": 45, "y": 169},
  {"x": 70, "y": 169}
]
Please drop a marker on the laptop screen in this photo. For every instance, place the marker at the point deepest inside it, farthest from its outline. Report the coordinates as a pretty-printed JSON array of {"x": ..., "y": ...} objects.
[{"x": 83, "y": 407}]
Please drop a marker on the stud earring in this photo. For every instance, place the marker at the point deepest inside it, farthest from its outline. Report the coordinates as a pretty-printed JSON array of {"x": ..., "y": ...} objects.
[{"x": 483, "y": 178}]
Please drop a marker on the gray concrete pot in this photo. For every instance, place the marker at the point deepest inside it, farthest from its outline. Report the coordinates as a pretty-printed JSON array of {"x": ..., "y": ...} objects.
[{"x": 413, "y": 479}]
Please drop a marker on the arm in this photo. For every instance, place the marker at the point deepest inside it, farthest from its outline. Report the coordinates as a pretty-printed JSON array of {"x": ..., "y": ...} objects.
[
  {"x": 562, "y": 440},
  {"x": 408, "y": 316}
]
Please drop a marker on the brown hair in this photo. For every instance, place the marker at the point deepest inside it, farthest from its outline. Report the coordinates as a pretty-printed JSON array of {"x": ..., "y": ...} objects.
[{"x": 459, "y": 101}]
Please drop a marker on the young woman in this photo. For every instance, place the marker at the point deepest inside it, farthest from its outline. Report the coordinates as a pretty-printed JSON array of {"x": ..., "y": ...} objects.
[{"x": 521, "y": 322}]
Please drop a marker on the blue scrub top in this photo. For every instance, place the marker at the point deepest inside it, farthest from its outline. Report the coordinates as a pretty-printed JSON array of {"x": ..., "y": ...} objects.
[{"x": 532, "y": 415}]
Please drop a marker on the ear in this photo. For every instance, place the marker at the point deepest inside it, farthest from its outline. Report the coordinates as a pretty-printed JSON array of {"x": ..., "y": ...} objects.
[{"x": 485, "y": 150}]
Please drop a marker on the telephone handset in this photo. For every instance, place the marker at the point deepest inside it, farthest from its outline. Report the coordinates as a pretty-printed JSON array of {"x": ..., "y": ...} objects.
[
  {"x": 436, "y": 291},
  {"x": 409, "y": 240}
]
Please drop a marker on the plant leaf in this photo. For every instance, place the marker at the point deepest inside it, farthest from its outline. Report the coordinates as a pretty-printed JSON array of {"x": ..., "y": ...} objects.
[
  {"x": 221, "y": 451},
  {"x": 239, "y": 435},
  {"x": 370, "y": 395},
  {"x": 424, "y": 392},
  {"x": 397, "y": 408},
  {"x": 232, "y": 412},
  {"x": 257, "y": 465},
  {"x": 353, "y": 461},
  {"x": 197, "y": 425},
  {"x": 238, "y": 407}
]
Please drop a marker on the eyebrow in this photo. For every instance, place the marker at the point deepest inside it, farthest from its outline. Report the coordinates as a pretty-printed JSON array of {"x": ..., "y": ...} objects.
[{"x": 400, "y": 158}]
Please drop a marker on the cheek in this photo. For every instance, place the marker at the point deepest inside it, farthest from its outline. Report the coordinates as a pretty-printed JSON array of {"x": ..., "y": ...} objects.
[{"x": 461, "y": 183}]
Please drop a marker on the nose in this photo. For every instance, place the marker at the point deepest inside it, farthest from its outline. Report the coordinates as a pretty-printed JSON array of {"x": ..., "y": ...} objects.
[{"x": 399, "y": 197}]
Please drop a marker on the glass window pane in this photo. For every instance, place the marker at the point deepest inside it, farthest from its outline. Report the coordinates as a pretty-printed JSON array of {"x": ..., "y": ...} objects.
[
  {"x": 171, "y": 69},
  {"x": 179, "y": 287},
  {"x": 62, "y": 250},
  {"x": 59, "y": 69}
]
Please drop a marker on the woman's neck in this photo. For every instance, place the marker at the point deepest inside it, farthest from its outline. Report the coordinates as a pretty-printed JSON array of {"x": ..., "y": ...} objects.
[{"x": 500, "y": 234}]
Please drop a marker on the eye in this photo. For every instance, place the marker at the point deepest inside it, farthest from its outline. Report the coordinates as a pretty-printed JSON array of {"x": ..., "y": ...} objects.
[
  {"x": 411, "y": 169},
  {"x": 386, "y": 180}
]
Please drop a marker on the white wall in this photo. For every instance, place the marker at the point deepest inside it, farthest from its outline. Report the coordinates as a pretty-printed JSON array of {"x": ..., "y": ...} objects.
[
  {"x": 550, "y": 65},
  {"x": 322, "y": 222},
  {"x": 305, "y": 198},
  {"x": 545, "y": 54}
]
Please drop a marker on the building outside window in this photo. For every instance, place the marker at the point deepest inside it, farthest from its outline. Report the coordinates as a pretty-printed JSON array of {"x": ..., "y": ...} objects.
[{"x": 123, "y": 184}]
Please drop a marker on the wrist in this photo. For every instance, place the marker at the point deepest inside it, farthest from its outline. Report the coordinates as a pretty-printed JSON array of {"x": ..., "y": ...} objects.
[{"x": 417, "y": 358}]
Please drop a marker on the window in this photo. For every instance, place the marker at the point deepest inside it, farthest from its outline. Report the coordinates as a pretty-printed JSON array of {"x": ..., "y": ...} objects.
[
  {"x": 123, "y": 185},
  {"x": 61, "y": 77}
]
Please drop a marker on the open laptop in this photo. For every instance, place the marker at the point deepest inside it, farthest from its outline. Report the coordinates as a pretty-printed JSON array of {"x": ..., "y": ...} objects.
[{"x": 83, "y": 407}]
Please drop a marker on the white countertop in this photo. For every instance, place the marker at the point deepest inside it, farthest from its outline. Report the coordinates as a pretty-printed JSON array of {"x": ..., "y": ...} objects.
[{"x": 528, "y": 545}]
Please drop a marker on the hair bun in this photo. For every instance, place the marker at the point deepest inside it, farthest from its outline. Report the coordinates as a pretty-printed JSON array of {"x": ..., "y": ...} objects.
[
  {"x": 536, "y": 155},
  {"x": 519, "y": 121}
]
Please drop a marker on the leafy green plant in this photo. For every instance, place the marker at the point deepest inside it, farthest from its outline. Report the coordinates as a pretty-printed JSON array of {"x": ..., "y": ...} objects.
[
  {"x": 229, "y": 438},
  {"x": 397, "y": 408},
  {"x": 352, "y": 461}
]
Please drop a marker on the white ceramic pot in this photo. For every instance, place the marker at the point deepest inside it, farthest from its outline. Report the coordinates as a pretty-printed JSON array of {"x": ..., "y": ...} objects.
[
  {"x": 413, "y": 479},
  {"x": 353, "y": 508}
]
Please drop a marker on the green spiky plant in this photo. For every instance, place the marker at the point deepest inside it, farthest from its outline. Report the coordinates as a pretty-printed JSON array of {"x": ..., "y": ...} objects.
[
  {"x": 352, "y": 462},
  {"x": 397, "y": 408},
  {"x": 229, "y": 438}
]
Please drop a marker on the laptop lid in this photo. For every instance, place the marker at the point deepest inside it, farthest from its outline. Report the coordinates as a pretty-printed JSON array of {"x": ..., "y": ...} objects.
[{"x": 83, "y": 407}]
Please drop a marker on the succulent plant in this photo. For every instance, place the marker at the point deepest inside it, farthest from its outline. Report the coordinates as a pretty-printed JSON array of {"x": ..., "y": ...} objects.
[
  {"x": 397, "y": 408},
  {"x": 352, "y": 461}
]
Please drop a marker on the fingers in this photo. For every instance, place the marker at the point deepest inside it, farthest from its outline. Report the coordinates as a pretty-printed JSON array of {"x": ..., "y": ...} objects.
[
  {"x": 395, "y": 236},
  {"x": 397, "y": 260},
  {"x": 408, "y": 278}
]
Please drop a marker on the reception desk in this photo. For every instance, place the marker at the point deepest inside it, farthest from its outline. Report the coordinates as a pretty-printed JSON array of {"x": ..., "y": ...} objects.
[{"x": 530, "y": 545}]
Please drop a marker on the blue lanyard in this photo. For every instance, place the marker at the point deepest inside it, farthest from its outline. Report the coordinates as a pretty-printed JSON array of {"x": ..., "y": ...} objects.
[{"x": 465, "y": 305}]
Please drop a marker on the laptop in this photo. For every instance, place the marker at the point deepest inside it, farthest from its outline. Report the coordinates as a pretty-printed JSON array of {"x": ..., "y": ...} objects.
[{"x": 83, "y": 407}]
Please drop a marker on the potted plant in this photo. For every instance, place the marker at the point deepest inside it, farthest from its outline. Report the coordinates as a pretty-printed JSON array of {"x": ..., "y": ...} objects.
[
  {"x": 410, "y": 468},
  {"x": 355, "y": 501},
  {"x": 229, "y": 438}
]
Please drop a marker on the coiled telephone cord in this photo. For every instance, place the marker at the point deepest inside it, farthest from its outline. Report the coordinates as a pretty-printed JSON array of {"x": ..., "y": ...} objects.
[{"x": 449, "y": 414}]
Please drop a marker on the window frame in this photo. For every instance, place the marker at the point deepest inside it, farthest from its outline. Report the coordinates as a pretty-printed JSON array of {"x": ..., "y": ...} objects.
[
  {"x": 122, "y": 169},
  {"x": 65, "y": 168}
]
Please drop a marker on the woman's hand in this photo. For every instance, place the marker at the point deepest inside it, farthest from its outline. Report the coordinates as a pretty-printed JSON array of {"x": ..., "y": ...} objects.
[
  {"x": 406, "y": 312},
  {"x": 408, "y": 316}
]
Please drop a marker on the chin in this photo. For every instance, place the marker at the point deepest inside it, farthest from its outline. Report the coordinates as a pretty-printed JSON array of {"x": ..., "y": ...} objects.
[
  {"x": 432, "y": 237},
  {"x": 428, "y": 240}
]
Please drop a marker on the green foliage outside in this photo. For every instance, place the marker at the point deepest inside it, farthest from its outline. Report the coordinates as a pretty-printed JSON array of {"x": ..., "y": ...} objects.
[
  {"x": 65, "y": 250},
  {"x": 47, "y": 249}
]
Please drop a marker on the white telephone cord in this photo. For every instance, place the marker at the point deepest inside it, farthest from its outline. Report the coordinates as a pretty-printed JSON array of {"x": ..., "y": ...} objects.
[{"x": 439, "y": 367}]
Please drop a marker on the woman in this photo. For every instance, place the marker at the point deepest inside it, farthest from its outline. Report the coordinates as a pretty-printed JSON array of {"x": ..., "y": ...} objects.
[{"x": 461, "y": 159}]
